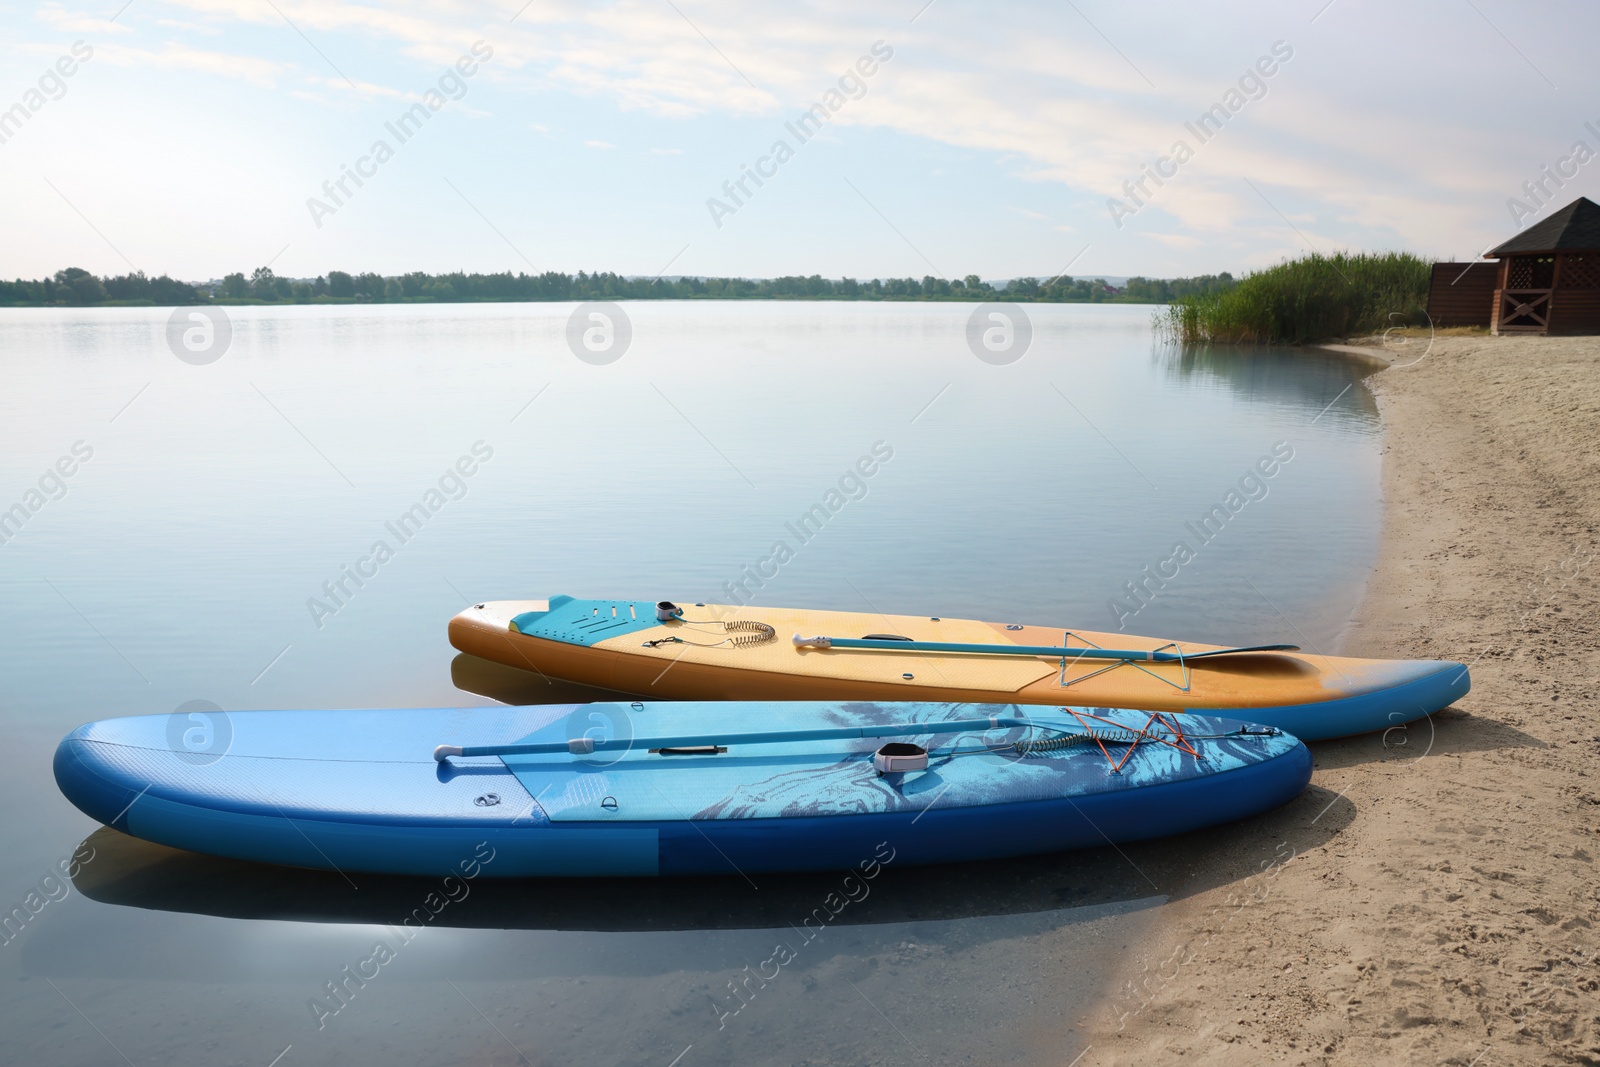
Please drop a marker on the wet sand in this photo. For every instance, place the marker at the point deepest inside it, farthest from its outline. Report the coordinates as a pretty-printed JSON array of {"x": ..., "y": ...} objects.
[{"x": 1451, "y": 916}]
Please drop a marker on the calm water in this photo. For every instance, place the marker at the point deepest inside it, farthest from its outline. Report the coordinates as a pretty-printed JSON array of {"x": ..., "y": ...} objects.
[{"x": 176, "y": 563}]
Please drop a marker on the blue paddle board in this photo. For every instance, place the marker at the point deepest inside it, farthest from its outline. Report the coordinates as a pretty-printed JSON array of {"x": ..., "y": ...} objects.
[{"x": 645, "y": 789}]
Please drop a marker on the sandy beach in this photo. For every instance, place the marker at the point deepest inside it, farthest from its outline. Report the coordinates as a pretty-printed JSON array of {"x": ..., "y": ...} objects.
[{"x": 1433, "y": 897}]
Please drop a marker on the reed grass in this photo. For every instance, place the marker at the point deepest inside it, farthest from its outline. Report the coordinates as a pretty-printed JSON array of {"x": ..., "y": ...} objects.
[{"x": 1304, "y": 300}]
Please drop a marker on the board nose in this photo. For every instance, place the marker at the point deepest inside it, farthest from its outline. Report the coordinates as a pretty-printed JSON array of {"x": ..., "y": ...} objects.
[
  {"x": 1443, "y": 675},
  {"x": 88, "y": 777},
  {"x": 475, "y": 622},
  {"x": 1437, "y": 676},
  {"x": 1455, "y": 680}
]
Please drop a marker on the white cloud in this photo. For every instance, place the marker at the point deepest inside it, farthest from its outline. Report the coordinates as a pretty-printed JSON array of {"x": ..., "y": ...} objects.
[
  {"x": 262, "y": 73},
  {"x": 365, "y": 90},
  {"x": 189, "y": 27},
  {"x": 58, "y": 17},
  {"x": 1176, "y": 240}
]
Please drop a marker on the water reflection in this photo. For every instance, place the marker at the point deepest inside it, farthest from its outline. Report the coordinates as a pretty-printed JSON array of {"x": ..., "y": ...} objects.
[
  {"x": 508, "y": 685},
  {"x": 1301, "y": 379},
  {"x": 130, "y": 872},
  {"x": 963, "y": 991},
  {"x": 620, "y": 971},
  {"x": 937, "y": 964}
]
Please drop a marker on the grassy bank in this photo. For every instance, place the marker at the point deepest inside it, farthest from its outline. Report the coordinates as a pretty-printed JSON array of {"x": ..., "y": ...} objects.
[{"x": 1314, "y": 298}]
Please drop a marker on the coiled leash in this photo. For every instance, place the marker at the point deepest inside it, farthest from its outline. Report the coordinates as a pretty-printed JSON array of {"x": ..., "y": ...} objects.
[
  {"x": 1032, "y": 746},
  {"x": 740, "y": 633}
]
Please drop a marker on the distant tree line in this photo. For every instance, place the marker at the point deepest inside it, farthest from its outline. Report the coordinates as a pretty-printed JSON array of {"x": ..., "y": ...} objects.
[
  {"x": 1167, "y": 290},
  {"x": 75, "y": 287}
]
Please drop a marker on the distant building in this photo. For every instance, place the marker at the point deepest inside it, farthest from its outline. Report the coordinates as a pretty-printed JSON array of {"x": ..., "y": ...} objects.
[{"x": 1546, "y": 280}]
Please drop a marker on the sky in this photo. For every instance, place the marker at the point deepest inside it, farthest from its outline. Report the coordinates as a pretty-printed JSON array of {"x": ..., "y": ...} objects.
[{"x": 199, "y": 137}]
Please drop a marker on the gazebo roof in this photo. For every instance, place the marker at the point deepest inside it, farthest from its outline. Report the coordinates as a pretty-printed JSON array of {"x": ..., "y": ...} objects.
[{"x": 1573, "y": 227}]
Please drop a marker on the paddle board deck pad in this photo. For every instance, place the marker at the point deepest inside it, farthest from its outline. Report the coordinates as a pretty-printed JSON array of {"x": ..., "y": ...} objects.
[
  {"x": 365, "y": 790},
  {"x": 721, "y": 652}
]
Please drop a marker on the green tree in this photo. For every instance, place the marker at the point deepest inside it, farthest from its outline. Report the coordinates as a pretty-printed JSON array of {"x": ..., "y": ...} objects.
[
  {"x": 81, "y": 287},
  {"x": 133, "y": 286},
  {"x": 414, "y": 284},
  {"x": 264, "y": 284}
]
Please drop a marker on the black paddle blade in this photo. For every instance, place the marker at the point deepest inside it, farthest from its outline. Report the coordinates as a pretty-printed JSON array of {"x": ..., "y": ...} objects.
[{"x": 1236, "y": 651}]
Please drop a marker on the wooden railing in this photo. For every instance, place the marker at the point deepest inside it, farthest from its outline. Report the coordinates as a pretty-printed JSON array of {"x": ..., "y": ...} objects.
[{"x": 1523, "y": 311}]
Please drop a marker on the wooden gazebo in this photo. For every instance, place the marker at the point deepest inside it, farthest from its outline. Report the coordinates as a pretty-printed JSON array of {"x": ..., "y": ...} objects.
[{"x": 1547, "y": 280}]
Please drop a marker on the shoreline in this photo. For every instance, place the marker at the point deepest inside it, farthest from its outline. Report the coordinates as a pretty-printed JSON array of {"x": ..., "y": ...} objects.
[
  {"x": 1432, "y": 897},
  {"x": 1375, "y": 360}
]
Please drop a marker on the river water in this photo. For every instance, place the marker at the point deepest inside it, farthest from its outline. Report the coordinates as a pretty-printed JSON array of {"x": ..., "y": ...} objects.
[{"x": 196, "y": 549}]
